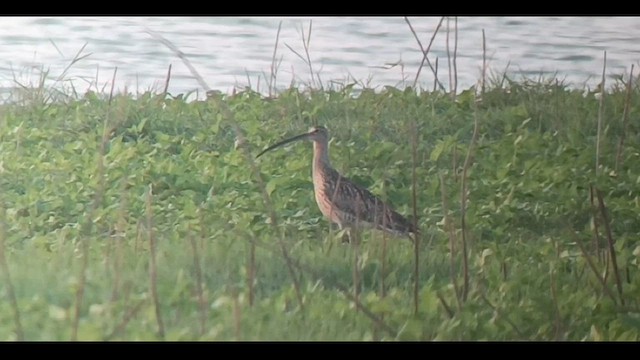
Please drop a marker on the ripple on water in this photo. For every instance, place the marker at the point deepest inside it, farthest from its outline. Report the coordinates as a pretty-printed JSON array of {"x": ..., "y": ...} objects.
[
  {"x": 48, "y": 21},
  {"x": 80, "y": 28},
  {"x": 514, "y": 23},
  {"x": 576, "y": 58},
  {"x": 226, "y": 49}
]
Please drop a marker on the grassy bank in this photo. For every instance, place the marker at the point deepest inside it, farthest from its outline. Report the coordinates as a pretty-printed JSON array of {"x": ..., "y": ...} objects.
[{"x": 148, "y": 218}]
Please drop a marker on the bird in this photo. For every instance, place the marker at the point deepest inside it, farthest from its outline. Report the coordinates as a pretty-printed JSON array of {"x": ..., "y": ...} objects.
[{"x": 341, "y": 200}]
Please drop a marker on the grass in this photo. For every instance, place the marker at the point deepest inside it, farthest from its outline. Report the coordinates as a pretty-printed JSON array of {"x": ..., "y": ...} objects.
[{"x": 148, "y": 218}]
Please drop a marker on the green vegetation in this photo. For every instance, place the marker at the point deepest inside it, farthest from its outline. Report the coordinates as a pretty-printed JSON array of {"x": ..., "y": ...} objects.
[
  {"x": 89, "y": 187},
  {"x": 148, "y": 217}
]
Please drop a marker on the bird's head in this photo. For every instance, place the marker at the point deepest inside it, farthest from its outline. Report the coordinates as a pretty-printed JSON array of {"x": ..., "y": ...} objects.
[{"x": 315, "y": 133}]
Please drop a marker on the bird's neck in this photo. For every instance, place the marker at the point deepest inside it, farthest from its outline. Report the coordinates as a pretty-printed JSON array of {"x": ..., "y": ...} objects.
[{"x": 320, "y": 154}]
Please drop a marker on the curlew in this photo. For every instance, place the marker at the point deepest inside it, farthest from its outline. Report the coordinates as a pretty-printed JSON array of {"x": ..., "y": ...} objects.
[{"x": 341, "y": 200}]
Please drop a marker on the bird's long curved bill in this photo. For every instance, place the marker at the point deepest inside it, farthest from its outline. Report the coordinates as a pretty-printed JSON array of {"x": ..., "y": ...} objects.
[{"x": 284, "y": 142}]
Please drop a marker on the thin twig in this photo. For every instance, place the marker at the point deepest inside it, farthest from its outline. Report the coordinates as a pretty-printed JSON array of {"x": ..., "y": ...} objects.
[
  {"x": 425, "y": 52},
  {"x": 435, "y": 83},
  {"x": 463, "y": 203},
  {"x": 354, "y": 238},
  {"x": 454, "y": 160},
  {"x": 153, "y": 271},
  {"x": 484, "y": 63},
  {"x": 452, "y": 240},
  {"x": 306, "y": 45},
  {"x": 494, "y": 308},
  {"x": 113, "y": 83},
  {"x": 612, "y": 250},
  {"x": 600, "y": 112},
  {"x": 274, "y": 67},
  {"x": 13, "y": 301},
  {"x": 504, "y": 74},
  {"x": 74, "y": 60},
  {"x": 554, "y": 297},
  {"x": 307, "y": 58},
  {"x": 625, "y": 118},
  {"x": 449, "y": 56},
  {"x": 166, "y": 83},
  {"x": 88, "y": 224},
  {"x": 237, "y": 313},
  {"x": 416, "y": 240},
  {"x": 118, "y": 239},
  {"x": 594, "y": 217},
  {"x": 182, "y": 57},
  {"x": 455, "y": 58},
  {"x": 199, "y": 287},
  {"x": 504, "y": 271},
  {"x": 251, "y": 271},
  {"x": 383, "y": 261},
  {"x": 446, "y": 306},
  {"x": 592, "y": 266},
  {"x": 125, "y": 320}
]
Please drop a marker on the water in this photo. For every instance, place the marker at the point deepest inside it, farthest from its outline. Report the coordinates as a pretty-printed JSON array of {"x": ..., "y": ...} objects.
[{"x": 233, "y": 52}]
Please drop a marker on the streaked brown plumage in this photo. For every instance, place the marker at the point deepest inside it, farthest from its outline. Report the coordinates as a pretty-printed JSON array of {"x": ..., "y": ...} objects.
[{"x": 341, "y": 200}]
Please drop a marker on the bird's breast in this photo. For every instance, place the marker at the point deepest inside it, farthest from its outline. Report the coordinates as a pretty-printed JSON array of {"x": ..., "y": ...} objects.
[{"x": 323, "y": 196}]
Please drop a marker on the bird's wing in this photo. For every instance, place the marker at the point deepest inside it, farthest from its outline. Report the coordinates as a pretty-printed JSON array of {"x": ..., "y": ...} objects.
[{"x": 359, "y": 204}]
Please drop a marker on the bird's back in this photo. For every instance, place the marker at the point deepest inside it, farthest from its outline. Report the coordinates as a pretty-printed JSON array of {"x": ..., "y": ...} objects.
[{"x": 347, "y": 203}]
